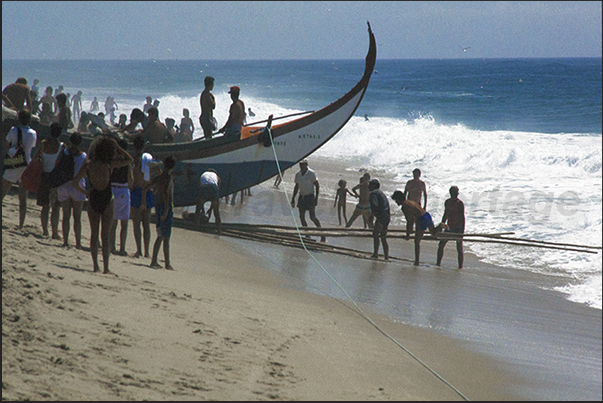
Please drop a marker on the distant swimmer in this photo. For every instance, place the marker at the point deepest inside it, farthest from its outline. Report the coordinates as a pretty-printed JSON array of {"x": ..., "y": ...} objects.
[{"x": 250, "y": 112}]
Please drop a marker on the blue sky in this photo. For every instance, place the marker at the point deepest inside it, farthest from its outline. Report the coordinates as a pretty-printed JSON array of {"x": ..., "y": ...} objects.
[{"x": 298, "y": 30}]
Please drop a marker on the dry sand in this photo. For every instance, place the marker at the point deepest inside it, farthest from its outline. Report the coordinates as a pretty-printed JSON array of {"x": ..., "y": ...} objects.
[{"x": 217, "y": 328}]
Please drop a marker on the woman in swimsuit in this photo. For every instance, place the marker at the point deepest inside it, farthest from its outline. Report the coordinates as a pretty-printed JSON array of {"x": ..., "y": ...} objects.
[
  {"x": 47, "y": 198},
  {"x": 104, "y": 156}
]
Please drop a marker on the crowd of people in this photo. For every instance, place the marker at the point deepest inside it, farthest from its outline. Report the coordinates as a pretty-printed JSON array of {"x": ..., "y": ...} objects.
[
  {"x": 58, "y": 107},
  {"x": 119, "y": 187},
  {"x": 373, "y": 206}
]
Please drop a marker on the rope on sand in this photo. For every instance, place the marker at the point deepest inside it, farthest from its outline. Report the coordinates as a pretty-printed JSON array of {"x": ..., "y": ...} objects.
[{"x": 348, "y": 295}]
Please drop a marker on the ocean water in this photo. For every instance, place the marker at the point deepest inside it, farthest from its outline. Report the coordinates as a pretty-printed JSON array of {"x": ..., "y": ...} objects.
[{"x": 521, "y": 138}]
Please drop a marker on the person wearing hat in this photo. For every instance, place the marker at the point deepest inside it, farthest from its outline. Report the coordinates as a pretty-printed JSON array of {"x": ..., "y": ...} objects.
[
  {"x": 414, "y": 213},
  {"x": 380, "y": 210},
  {"x": 305, "y": 183},
  {"x": 454, "y": 216},
  {"x": 236, "y": 117}
]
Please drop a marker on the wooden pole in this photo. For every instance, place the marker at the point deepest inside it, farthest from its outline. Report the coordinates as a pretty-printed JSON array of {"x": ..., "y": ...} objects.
[{"x": 351, "y": 232}]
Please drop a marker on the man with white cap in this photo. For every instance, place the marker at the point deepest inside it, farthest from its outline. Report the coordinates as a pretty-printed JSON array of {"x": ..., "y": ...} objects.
[{"x": 234, "y": 124}]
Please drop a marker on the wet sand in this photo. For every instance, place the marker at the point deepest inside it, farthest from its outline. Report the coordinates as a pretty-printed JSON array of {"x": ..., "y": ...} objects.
[
  {"x": 241, "y": 320},
  {"x": 219, "y": 327}
]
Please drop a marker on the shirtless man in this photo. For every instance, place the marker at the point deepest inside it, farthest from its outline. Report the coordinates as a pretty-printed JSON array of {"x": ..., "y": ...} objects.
[
  {"x": 236, "y": 117},
  {"x": 52, "y": 107},
  {"x": 155, "y": 131},
  {"x": 415, "y": 213},
  {"x": 17, "y": 95},
  {"x": 415, "y": 187},
  {"x": 208, "y": 104},
  {"x": 136, "y": 118},
  {"x": 363, "y": 208},
  {"x": 454, "y": 216}
]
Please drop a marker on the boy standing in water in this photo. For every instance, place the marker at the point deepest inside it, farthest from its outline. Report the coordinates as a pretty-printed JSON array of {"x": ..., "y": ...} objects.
[
  {"x": 164, "y": 211},
  {"x": 341, "y": 196}
]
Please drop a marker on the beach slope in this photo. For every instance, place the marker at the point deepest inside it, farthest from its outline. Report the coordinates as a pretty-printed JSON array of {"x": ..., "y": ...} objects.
[{"x": 217, "y": 328}]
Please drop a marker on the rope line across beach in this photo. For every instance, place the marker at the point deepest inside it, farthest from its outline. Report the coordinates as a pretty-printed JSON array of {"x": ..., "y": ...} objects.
[{"x": 363, "y": 314}]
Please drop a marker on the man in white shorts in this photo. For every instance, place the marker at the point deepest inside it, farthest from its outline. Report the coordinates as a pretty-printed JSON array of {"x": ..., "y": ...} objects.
[{"x": 13, "y": 175}]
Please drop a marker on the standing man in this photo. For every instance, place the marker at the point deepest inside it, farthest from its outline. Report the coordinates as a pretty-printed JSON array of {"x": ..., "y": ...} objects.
[
  {"x": 17, "y": 95},
  {"x": 208, "y": 104},
  {"x": 236, "y": 116},
  {"x": 415, "y": 213},
  {"x": 454, "y": 216},
  {"x": 415, "y": 188},
  {"x": 305, "y": 183},
  {"x": 380, "y": 210}
]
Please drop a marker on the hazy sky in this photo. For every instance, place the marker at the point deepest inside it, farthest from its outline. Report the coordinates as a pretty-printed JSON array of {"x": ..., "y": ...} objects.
[{"x": 298, "y": 30}]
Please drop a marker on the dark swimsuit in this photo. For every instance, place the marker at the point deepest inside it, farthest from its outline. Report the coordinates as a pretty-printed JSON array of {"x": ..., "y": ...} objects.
[{"x": 100, "y": 199}]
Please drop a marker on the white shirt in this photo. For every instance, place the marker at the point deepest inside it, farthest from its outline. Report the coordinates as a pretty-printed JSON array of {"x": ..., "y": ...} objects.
[
  {"x": 306, "y": 182},
  {"x": 209, "y": 178},
  {"x": 49, "y": 160},
  {"x": 78, "y": 163},
  {"x": 28, "y": 140}
]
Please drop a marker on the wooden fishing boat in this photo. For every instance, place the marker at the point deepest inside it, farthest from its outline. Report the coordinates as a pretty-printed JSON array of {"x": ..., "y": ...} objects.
[{"x": 248, "y": 161}]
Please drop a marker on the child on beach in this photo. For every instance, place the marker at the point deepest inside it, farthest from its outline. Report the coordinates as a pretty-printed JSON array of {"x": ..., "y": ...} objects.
[
  {"x": 164, "y": 197},
  {"x": 341, "y": 196}
]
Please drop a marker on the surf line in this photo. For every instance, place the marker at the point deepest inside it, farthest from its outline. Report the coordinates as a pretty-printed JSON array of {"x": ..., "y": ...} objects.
[{"x": 362, "y": 313}]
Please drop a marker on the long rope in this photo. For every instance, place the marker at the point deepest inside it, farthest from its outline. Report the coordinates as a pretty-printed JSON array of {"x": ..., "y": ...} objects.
[{"x": 363, "y": 314}]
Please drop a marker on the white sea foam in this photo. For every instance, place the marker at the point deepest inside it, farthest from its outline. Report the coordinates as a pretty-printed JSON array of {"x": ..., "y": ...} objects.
[{"x": 540, "y": 186}]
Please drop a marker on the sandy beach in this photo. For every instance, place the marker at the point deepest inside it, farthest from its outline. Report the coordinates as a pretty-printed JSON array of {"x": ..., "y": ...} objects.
[
  {"x": 225, "y": 326},
  {"x": 218, "y": 328}
]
